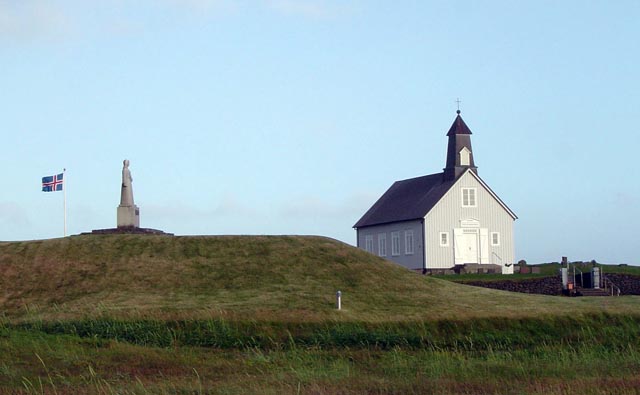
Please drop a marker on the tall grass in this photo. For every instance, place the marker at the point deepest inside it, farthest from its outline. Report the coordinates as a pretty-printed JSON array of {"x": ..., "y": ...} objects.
[
  {"x": 613, "y": 331},
  {"x": 70, "y": 365}
]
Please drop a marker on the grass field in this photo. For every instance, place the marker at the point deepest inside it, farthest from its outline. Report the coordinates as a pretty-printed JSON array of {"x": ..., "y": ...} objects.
[{"x": 238, "y": 314}]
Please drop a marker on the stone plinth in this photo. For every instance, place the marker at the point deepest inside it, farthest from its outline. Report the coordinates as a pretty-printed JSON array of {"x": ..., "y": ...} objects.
[
  {"x": 128, "y": 230},
  {"x": 128, "y": 216}
]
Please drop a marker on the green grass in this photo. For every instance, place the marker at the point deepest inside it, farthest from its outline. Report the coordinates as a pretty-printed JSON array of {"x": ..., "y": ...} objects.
[
  {"x": 32, "y": 362},
  {"x": 128, "y": 314},
  {"x": 281, "y": 278},
  {"x": 478, "y": 334}
]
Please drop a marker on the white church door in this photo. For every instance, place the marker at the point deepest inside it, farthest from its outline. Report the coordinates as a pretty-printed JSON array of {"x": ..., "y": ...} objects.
[{"x": 469, "y": 246}]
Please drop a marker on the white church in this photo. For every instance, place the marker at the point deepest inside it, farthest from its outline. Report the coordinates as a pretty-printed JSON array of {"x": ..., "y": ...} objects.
[{"x": 442, "y": 221}]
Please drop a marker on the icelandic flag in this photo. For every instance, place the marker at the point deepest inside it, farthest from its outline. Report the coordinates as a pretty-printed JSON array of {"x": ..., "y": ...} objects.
[{"x": 52, "y": 183}]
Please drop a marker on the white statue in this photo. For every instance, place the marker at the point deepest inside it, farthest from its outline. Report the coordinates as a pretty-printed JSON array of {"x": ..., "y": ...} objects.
[
  {"x": 126, "y": 191},
  {"x": 128, "y": 213}
]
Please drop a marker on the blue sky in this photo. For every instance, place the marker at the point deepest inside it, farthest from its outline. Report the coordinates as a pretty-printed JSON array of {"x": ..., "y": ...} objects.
[{"x": 293, "y": 117}]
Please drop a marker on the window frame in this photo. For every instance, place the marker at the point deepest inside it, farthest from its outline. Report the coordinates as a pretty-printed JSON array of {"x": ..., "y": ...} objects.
[
  {"x": 446, "y": 242},
  {"x": 471, "y": 195},
  {"x": 408, "y": 242},
  {"x": 382, "y": 244},
  {"x": 495, "y": 242},
  {"x": 465, "y": 157},
  {"x": 395, "y": 243},
  {"x": 368, "y": 242}
]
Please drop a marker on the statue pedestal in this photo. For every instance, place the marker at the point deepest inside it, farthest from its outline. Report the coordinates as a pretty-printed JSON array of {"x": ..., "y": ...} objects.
[{"x": 128, "y": 216}]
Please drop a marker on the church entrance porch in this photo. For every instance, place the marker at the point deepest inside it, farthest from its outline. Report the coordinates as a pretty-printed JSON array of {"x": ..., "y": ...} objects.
[{"x": 471, "y": 246}]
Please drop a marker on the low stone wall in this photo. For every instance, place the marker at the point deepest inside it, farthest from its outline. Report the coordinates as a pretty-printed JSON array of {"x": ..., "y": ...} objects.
[
  {"x": 544, "y": 286},
  {"x": 629, "y": 284}
]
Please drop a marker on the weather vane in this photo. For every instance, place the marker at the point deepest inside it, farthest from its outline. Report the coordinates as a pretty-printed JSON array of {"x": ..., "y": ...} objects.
[{"x": 458, "y": 103}]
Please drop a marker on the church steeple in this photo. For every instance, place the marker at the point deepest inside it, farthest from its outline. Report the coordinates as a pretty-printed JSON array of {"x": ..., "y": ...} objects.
[{"x": 459, "y": 151}]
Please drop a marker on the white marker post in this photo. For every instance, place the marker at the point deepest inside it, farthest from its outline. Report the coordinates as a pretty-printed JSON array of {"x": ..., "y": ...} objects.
[{"x": 339, "y": 300}]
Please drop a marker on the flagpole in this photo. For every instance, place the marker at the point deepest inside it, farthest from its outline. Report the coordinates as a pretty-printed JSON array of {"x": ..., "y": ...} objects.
[{"x": 64, "y": 199}]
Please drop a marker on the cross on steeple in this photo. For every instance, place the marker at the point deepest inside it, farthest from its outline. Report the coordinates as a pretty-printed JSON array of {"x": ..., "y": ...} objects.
[{"x": 458, "y": 103}]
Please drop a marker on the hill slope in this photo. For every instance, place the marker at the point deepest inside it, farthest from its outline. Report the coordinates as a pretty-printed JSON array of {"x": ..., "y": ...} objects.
[{"x": 290, "y": 278}]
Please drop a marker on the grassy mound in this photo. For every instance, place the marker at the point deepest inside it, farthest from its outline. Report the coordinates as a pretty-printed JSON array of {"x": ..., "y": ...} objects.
[
  {"x": 274, "y": 278},
  {"x": 132, "y": 314}
]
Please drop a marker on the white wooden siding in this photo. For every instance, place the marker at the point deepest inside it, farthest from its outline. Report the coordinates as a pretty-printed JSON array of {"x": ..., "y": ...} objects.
[{"x": 448, "y": 214}]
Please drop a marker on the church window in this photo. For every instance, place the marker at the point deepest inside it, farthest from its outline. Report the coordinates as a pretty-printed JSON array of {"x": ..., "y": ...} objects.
[
  {"x": 465, "y": 157},
  {"x": 469, "y": 197},
  {"x": 408, "y": 242},
  {"x": 444, "y": 239},
  {"x": 382, "y": 244},
  {"x": 495, "y": 238},
  {"x": 395, "y": 243},
  {"x": 368, "y": 243}
]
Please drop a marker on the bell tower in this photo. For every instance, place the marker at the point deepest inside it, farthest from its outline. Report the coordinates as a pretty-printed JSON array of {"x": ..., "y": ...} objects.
[{"x": 459, "y": 151}]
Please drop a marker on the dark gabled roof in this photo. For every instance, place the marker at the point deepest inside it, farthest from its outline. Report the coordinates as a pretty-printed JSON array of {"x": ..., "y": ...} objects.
[
  {"x": 458, "y": 127},
  {"x": 412, "y": 199},
  {"x": 407, "y": 200}
]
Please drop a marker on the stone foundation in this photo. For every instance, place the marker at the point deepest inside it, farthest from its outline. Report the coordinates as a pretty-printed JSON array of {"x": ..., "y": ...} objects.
[
  {"x": 469, "y": 268},
  {"x": 127, "y": 230}
]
